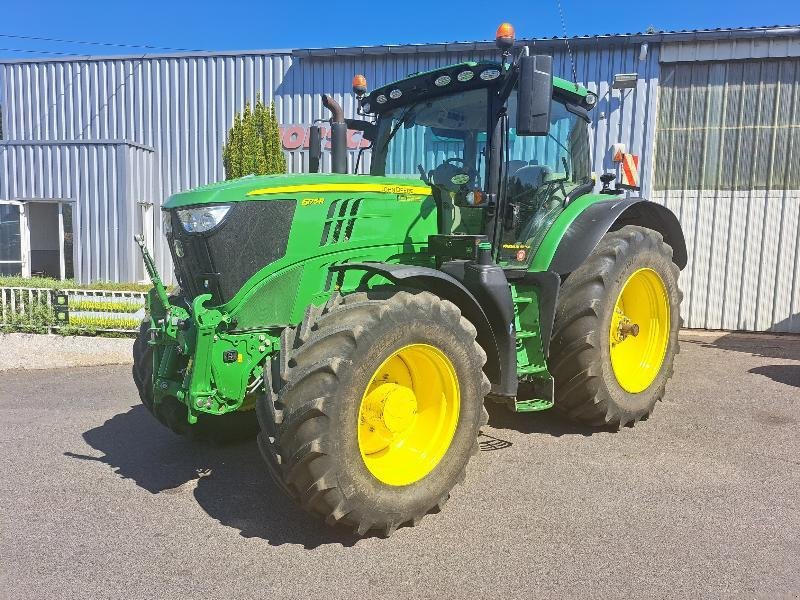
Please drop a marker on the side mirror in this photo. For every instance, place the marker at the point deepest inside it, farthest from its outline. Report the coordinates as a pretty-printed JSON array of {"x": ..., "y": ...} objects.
[
  {"x": 535, "y": 93},
  {"x": 314, "y": 148}
]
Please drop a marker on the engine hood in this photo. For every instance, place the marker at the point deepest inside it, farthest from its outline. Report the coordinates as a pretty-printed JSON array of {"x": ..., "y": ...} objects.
[{"x": 281, "y": 187}]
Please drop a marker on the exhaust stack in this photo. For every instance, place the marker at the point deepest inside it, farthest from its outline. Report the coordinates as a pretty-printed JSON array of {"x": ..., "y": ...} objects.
[{"x": 338, "y": 135}]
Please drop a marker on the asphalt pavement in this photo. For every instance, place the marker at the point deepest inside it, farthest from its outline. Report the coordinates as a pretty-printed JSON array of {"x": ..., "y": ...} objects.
[{"x": 97, "y": 500}]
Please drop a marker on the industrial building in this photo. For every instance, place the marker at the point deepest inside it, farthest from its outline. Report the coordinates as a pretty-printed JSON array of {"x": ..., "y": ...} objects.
[{"x": 93, "y": 145}]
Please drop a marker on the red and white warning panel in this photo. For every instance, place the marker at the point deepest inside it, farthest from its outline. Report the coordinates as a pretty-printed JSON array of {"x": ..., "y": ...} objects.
[
  {"x": 629, "y": 172},
  {"x": 617, "y": 150}
]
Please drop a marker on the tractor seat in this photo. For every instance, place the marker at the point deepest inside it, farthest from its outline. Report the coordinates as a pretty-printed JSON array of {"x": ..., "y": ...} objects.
[
  {"x": 512, "y": 166},
  {"x": 530, "y": 176}
]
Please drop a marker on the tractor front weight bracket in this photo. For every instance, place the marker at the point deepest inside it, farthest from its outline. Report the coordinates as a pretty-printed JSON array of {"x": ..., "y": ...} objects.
[
  {"x": 202, "y": 397},
  {"x": 197, "y": 359}
]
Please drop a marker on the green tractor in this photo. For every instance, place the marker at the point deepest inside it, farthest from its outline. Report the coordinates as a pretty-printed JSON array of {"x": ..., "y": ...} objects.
[{"x": 358, "y": 323}]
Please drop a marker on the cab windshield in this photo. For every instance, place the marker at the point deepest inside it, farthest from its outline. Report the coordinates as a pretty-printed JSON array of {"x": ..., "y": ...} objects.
[
  {"x": 438, "y": 139},
  {"x": 443, "y": 141}
]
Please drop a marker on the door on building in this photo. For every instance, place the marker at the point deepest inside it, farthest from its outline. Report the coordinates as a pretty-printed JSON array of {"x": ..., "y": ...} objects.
[{"x": 36, "y": 238}]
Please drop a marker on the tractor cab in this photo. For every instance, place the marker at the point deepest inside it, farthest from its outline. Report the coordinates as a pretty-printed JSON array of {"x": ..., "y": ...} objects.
[{"x": 501, "y": 161}]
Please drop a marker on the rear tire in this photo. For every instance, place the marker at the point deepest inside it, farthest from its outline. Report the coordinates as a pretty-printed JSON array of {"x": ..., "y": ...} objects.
[
  {"x": 588, "y": 390},
  {"x": 170, "y": 412},
  {"x": 312, "y": 428}
]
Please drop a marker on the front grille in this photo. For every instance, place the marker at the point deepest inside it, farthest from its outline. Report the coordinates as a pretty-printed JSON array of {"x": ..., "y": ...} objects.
[{"x": 252, "y": 235}]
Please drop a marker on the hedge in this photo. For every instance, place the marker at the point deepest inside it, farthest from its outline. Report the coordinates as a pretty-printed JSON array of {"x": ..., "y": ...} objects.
[{"x": 70, "y": 284}]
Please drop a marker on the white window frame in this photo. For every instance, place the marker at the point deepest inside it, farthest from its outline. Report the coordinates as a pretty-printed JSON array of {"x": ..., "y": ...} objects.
[
  {"x": 25, "y": 231},
  {"x": 24, "y": 241}
]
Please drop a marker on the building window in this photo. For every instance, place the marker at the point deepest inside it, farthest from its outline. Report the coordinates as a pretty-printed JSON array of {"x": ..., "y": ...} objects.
[
  {"x": 10, "y": 239},
  {"x": 728, "y": 126},
  {"x": 36, "y": 238},
  {"x": 67, "y": 248}
]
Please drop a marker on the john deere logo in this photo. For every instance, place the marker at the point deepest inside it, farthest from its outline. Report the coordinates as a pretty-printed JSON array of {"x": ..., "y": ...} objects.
[{"x": 400, "y": 189}]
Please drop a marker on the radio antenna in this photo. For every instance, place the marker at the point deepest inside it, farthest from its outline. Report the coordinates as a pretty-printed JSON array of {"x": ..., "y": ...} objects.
[{"x": 566, "y": 41}]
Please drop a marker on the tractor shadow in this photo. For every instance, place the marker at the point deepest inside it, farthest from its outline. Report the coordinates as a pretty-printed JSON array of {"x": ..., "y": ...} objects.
[
  {"x": 548, "y": 422},
  {"x": 230, "y": 483},
  {"x": 785, "y": 374},
  {"x": 768, "y": 344}
]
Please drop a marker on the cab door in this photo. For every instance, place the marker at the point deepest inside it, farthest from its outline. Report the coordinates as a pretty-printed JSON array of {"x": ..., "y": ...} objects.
[{"x": 540, "y": 173}]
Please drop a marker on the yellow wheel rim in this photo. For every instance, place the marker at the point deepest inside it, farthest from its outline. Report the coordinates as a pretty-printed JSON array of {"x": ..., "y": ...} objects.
[
  {"x": 639, "y": 331},
  {"x": 408, "y": 414}
]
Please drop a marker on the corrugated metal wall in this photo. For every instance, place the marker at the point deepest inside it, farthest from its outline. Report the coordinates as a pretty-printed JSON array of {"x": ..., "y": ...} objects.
[
  {"x": 743, "y": 246},
  {"x": 182, "y": 106},
  {"x": 728, "y": 144},
  {"x": 105, "y": 179}
]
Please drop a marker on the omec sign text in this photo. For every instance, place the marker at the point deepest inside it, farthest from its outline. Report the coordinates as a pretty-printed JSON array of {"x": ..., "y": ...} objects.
[{"x": 295, "y": 137}]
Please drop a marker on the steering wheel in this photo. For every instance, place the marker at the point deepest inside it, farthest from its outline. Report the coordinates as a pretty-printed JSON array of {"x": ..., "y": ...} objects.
[{"x": 452, "y": 175}]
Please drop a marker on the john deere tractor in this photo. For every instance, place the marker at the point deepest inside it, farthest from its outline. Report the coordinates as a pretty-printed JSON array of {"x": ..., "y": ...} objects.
[{"x": 358, "y": 323}]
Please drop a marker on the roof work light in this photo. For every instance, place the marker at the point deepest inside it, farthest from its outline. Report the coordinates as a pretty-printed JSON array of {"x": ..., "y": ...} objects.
[
  {"x": 359, "y": 85},
  {"x": 504, "y": 37}
]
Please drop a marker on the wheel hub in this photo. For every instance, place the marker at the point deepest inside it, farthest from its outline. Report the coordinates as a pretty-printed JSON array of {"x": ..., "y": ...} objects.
[
  {"x": 390, "y": 406},
  {"x": 408, "y": 414},
  {"x": 639, "y": 331},
  {"x": 622, "y": 327}
]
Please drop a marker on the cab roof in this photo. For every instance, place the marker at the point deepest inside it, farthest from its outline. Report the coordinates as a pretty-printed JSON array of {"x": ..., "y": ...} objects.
[{"x": 462, "y": 76}]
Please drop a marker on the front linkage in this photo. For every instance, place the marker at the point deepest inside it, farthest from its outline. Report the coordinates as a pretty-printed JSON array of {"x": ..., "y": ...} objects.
[{"x": 197, "y": 359}]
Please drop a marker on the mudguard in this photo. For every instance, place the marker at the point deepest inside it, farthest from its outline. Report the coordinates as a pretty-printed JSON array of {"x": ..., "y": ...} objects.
[
  {"x": 492, "y": 334},
  {"x": 586, "y": 231}
]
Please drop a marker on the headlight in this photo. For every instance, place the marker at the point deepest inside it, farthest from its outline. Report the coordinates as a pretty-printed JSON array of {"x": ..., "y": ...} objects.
[
  {"x": 200, "y": 219},
  {"x": 166, "y": 222}
]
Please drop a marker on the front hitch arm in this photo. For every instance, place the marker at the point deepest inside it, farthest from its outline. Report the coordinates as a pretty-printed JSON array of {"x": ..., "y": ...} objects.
[{"x": 150, "y": 265}]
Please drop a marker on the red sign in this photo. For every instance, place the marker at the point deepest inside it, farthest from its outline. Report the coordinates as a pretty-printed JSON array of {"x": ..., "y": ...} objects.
[{"x": 295, "y": 137}]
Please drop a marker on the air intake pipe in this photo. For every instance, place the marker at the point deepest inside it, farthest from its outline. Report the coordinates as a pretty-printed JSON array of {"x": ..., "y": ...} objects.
[{"x": 338, "y": 135}]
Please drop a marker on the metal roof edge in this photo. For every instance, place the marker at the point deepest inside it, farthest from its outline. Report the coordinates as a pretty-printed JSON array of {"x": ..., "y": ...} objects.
[
  {"x": 554, "y": 42},
  {"x": 98, "y": 142},
  {"x": 148, "y": 56},
  {"x": 484, "y": 45}
]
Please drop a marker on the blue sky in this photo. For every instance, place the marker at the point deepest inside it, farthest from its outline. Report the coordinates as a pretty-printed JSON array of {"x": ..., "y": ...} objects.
[{"x": 235, "y": 25}]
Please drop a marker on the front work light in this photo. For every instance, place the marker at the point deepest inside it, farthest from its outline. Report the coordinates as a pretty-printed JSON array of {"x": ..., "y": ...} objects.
[{"x": 202, "y": 218}]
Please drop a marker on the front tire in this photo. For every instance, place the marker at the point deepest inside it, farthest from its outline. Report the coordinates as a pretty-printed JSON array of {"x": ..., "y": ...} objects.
[
  {"x": 378, "y": 411},
  {"x": 616, "y": 330}
]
